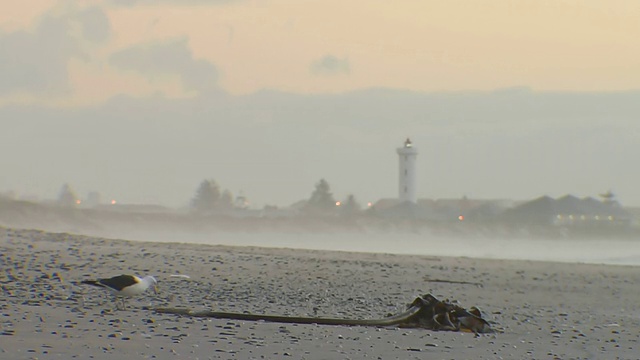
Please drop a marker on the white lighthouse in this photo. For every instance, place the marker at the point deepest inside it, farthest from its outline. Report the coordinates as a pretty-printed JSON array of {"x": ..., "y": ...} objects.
[{"x": 407, "y": 179}]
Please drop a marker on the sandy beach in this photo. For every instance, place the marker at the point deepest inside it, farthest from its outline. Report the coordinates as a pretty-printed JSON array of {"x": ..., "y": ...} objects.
[{"x": 545, "y": 310}]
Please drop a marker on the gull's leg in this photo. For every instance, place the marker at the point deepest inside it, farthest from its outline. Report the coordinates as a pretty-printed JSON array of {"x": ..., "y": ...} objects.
[
  {"x": 106, "y": 300},
  {"x": 117, "y": 301}
]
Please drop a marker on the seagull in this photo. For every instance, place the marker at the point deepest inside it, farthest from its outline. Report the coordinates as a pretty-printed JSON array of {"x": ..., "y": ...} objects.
[{"x": 123, "y": 286}]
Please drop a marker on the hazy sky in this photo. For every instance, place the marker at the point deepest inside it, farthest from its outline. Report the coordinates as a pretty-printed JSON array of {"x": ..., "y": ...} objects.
[{"x": 142, "y": 99}]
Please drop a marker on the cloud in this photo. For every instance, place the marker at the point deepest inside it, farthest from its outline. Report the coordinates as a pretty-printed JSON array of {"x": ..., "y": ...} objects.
[
  {"x": 171, "y": 58},
  {"x": 36, "y": 61},
  {"x": 95, "y": 24},
  {"x": 330, "y": 65},
  {"x": 172, "y": 2}
]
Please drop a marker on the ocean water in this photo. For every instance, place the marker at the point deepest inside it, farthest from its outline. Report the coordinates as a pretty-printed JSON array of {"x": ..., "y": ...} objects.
[
  {"x": 571, "y": 250},
  {"x": 593, "y": 251}
]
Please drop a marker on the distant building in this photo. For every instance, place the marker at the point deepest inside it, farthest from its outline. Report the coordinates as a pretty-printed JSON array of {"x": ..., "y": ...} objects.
[
  {"x": 407, "y": 191},
  {"x": 136, "y": 208},
  {"x": 93, "y": 199},
  {"x": 568, "y": 211},
  {"x": 443, "y": 210},
  {"x": 241, "y": 202}
]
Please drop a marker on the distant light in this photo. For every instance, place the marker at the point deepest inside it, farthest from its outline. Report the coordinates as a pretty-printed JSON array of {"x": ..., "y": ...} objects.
[
  {"x": 610, "y": 217},
  {"x": 338, "y": 203},
  {"x": 369, "y": 204},
  {"x": 461, "y": 217},
  {"x": 78, "y": 202},
  {"x": 113, "y": 202}
]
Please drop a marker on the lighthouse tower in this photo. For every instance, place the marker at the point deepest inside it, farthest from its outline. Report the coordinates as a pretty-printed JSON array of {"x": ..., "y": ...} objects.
[{"x": 407, "y": 180}]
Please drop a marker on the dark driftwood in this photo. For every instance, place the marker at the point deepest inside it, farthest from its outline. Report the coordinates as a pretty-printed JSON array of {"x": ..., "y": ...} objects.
[
  {"x": 453, "y": 282},
  {"x": 425, "y": 312}
]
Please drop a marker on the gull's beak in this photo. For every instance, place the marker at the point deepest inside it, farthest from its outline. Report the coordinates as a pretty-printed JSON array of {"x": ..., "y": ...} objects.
[{"x": 155, "y": 289}]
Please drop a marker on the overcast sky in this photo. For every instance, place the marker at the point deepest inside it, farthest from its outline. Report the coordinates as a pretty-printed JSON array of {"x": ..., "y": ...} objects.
[{"x": 141, "y": 100}]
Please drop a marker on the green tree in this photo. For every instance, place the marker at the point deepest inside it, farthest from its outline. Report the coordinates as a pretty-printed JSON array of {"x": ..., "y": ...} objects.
[
  {"x": 321, "y": 200},
  {"x": 350, "y": 206},
  {"x": 207, "y": 197},
  {"x": 226, "y": 200},
  {"x": 67, "y": 197}
]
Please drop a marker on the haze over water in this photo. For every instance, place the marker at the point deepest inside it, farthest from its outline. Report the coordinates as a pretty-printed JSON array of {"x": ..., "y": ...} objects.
[{"x": 613, "y": 251}]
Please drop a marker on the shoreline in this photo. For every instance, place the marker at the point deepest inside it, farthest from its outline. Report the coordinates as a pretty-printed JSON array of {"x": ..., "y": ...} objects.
[
  {"x": 596, "y": 251},
  {"x": 546, "y": 309},
  {"x": 580, "y": 244}
]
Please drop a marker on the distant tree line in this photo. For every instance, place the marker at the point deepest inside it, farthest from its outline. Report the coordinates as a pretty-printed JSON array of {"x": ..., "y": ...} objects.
[
  {"x": 209, "y": 198},
  {"x": 67, "y": 197},
  {"x": 321, "y": 202}
]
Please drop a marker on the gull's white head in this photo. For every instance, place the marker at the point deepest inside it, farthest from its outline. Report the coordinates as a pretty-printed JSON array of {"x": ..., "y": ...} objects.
[{"x": 150, "y": 281}]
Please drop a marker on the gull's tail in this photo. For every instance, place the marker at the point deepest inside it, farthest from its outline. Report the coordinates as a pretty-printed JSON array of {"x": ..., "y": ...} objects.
[{"x": 92, "y": 282}]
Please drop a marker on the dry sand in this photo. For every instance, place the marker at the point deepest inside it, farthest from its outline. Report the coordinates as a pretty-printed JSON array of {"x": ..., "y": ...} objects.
[{"x": 547, "y": 310}]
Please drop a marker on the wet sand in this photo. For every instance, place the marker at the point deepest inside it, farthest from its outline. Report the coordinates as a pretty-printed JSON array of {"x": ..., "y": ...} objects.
[{"x": 546, "y": 310}]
